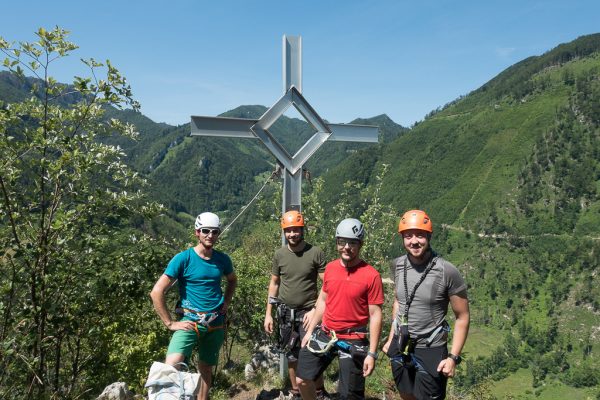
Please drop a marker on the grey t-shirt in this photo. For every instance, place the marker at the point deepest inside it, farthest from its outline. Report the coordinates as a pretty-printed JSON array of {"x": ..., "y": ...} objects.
[
  {"x": 430, "y": 304},
  {"x": 298, "y": 273}
]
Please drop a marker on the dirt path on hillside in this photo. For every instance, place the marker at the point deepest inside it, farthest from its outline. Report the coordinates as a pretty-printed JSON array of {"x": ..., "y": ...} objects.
[{"x": 505, "y": 235}]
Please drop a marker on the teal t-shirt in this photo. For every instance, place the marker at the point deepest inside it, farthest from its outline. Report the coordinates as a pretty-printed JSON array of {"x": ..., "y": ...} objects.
[{"x": 199, "y": 280}]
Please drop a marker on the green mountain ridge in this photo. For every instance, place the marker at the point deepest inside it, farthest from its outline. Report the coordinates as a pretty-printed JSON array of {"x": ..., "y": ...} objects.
[
  {"x": 472, "y": 152},
  {"x": 196, "y": 173},
  {"x": 510, "y": 175}
]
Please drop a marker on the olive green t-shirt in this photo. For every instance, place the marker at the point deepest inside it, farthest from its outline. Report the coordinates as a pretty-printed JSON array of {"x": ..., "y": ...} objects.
[{"x": 298, "y": 274}]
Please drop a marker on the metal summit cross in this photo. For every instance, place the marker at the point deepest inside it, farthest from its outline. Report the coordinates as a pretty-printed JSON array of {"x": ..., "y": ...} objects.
[{"x": 259, "y": 128}]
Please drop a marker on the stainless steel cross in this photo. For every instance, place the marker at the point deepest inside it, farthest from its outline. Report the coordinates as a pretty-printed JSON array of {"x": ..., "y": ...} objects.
[{"x": 259, "y": 128}]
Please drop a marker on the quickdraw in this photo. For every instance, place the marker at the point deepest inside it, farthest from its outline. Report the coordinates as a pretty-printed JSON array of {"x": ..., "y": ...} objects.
[
  {"x": 328, "y": 346},
  {"x": 354, "y": 350},
  {"x": 201, "y": 318}
]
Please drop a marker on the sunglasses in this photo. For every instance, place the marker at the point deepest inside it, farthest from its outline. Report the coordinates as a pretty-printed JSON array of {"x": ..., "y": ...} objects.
[
  {"x": 206, "y": 231},
  {"x": 342, "y": 242}
]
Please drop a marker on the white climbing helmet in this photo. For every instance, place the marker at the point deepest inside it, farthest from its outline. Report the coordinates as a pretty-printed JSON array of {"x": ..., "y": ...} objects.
[
  {"x": 207, "y": 220},
  {"x": 350, "y": 228}
]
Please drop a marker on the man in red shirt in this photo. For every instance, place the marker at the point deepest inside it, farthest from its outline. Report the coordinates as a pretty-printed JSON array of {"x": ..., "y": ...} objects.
[{"x": 349, "y": 310}]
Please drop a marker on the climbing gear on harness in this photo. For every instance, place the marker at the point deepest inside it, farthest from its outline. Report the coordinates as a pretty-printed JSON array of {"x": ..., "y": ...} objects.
[
  {"x": 201, "y": 318},
  {"x": 415, "y": 219},
  {"x": 357, "y": 352},
  {"x": 324, "y": 345},
  {"x": 292, "y": 218},
  {"x": 328, "y": 341},
  {"x": 405, "y": 344},
  {"x": 350, "y": 228},
  {"x": 399, "y": 327},
  {"x": 289, "y": 318},
  {"x": 444, "y": 326}
]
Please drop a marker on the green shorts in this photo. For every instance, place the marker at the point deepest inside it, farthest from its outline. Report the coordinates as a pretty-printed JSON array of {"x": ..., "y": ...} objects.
[{"x": 207, "y": 341}]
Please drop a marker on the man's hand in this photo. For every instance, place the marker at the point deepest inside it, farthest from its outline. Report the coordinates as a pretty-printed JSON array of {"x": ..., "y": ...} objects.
[
  {"x": 386, "y": 346},
  {"x": 268, "y": 324},
  {"x": 307, "y": 317},
  {"x": 447, "y": 367},
  {"x": 181, "y": 325},
  {"x": 368, "y": 365}
]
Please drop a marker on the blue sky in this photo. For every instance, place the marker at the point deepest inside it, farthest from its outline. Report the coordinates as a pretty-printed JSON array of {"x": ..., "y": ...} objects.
[{"x": 360, "y": 58}]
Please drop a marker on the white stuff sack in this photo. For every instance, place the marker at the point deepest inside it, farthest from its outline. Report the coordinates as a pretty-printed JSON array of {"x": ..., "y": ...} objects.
[{"x": 165, "y": 382}]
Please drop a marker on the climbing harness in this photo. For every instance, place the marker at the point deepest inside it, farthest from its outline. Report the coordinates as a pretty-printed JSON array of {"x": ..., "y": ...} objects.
[
  {"x": 405, "y": 342},
  {"x": 324, "y": 346},
  {"x": 326, "y": 341},
  {"x": 360, "y": 332},
  {"x": 288, "y": 319},
  {"x": 201, "y": 318}
]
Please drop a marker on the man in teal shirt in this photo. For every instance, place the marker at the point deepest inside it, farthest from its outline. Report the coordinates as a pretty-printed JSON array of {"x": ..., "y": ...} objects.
[{"x": 198, "y": 271}]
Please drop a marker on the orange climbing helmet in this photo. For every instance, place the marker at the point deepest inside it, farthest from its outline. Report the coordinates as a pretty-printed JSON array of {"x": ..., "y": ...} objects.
[
  {"x": 292, "y": 218},
  {"x": 415, "y": 219}
]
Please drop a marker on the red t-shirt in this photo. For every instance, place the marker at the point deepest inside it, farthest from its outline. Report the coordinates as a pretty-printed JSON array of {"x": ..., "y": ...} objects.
[{"x": 349, "y": 294}]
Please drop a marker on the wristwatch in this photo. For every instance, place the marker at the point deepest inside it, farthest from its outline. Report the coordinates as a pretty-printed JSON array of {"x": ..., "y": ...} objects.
[
  {"x": 374, "y": 355},
  {"x": 456, "y": 359}
]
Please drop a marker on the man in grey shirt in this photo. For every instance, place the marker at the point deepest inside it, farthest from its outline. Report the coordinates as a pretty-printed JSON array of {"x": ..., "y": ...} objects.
[{"x": 425, "y": 285}]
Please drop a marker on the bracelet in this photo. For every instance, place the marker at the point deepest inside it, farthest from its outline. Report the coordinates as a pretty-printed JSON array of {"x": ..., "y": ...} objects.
[{"x": 374, "y": 355}]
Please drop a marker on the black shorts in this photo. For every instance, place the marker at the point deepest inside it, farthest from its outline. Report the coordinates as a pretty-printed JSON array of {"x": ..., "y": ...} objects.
[
  {"x": 291, "y": 332},
  {"x": 351, "y": 384},
  {"x": 416, "y": 373}
]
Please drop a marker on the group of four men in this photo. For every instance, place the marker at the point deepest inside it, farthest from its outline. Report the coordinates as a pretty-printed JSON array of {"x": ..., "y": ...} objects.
[{"x": 343, "y": 319}]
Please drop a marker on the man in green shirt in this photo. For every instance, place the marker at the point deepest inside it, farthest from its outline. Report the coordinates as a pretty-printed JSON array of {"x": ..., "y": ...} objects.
[{"x": 293, "y": 288}]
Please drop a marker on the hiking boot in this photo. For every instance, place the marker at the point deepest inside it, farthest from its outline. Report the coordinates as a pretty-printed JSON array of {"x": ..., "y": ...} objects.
[{"x": 323, "y": 395}]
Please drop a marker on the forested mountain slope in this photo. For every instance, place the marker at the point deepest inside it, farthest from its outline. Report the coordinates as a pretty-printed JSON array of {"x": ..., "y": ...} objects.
[
  {"x": 510, "y": 174},
  {"x": 532, "y": 127},
  {"x": 198, "y": 173}
]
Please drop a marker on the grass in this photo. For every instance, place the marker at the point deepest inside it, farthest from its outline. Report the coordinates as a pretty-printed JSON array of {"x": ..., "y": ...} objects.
[
  {"x": 518, "y": 383},
  {"x": 482, "y": 341},
  {"x": 518, "y": 386}
]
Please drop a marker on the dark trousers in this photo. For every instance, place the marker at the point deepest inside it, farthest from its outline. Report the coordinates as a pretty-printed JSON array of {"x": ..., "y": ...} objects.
[
  {"x": 351, "y": 383},
  {"x": 416, "y": 373}
]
